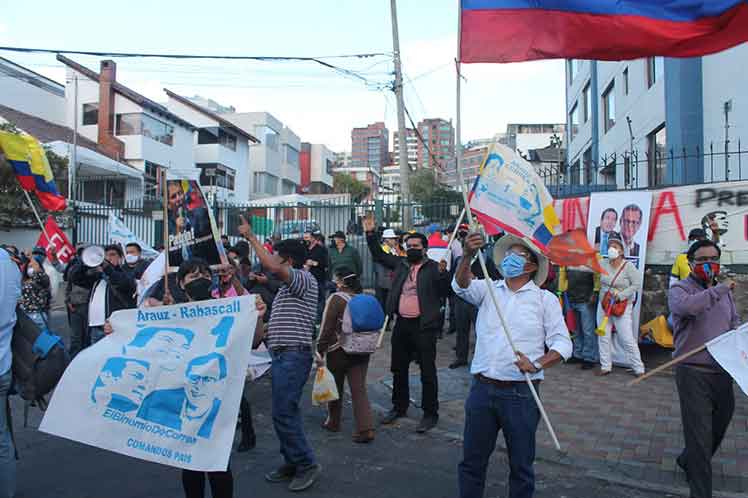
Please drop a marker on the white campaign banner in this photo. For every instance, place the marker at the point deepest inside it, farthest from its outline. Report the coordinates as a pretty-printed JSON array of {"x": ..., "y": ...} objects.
[
  {"x": 119, "y": 233},
  {"x": 625, "y": 214},
  {"x": 165, "y": 386},
  {"x": 731, "y": 351}
]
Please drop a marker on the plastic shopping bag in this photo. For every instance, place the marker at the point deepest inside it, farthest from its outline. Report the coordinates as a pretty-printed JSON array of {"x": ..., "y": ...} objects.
[{"x": 325, "y": 389}]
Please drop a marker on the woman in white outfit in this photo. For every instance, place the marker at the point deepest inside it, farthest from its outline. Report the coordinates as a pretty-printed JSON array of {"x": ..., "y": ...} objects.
[{"x": 624, "y": 286}]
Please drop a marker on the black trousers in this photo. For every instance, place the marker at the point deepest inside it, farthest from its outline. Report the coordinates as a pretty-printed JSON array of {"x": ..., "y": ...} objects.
[
  {"x": 221, "y": 484},
  {"x": 245, "y": 418},
  {"x": 465, "y": 315},
  {"x": 382, "y": 294},
  {"x": 410, "y": 343},
  {"x": 80, "y": 337},
  {"x": 452, "y": 299},
  {"x": 707, "y": 403}
]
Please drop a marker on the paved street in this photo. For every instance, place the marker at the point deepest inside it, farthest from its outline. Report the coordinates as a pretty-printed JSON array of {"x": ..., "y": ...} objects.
[{"x": 401, "y": 463}]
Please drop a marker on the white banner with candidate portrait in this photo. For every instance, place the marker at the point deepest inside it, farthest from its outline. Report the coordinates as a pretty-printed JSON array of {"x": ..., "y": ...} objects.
[
  {"x": 625, "y": 214},
  {"x": 165, "y": 386}
]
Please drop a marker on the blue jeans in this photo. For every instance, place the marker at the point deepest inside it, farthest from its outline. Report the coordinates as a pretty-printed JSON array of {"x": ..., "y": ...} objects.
[
  {"x": 7, "y": 451},
  {"x": 585, "y": 342},
  {"x": 96, "y": 334},
  {"x": 290, "y": 372},
  {"x": 489, "y": 409}
]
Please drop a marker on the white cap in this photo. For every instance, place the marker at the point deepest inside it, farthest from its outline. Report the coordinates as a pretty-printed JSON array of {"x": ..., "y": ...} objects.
[{"x": 389, "y": 234}]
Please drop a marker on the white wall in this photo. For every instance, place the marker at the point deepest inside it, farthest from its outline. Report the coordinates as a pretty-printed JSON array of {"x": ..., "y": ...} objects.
[
  {"x": 88, "y": 93},
  {"x": 28, "y": 98},
  {"x": 726, "y": 78},
  {"x": 319, "y": 155},
  {"x": 583, "y": 138}
]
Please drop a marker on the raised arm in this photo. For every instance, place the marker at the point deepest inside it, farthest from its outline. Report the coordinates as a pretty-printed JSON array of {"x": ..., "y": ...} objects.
[
  {"x": 377, "y": 254},
  {"x": 269, "y": 262}
]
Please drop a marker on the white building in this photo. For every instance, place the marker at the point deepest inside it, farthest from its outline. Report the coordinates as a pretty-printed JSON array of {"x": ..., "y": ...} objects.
[
  {"x": 221, "y": 150},
  {"x": 126, "y": 125},
  {"x": 31, "y": 93},
  {"x": 648, "y": 122},
  {"x": 389, "y": 190},
  {"x": 411, "y": 147},
  {"x": 317, "y": 164},
  {"x": 274, "y": 164}
]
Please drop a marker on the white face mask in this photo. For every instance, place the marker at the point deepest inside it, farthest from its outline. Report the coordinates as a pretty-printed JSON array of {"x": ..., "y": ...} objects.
[
  {"x": 30, "y": 272},
  {"x": 131, "y": 258},
  {"x": 613, "y": 253}
]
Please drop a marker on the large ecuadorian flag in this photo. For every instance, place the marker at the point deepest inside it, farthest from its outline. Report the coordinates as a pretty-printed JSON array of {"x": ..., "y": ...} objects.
[
  {"x": 523, "y": 30},
  {"x": 29, "y": 161}
]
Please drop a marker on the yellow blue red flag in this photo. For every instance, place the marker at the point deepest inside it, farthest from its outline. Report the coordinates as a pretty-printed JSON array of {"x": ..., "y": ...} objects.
[{"x": 29, "y": 161}]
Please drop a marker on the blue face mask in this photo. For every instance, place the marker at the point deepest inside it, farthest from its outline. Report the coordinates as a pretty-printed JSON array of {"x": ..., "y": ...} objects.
[{"x": 513, "y": 265}]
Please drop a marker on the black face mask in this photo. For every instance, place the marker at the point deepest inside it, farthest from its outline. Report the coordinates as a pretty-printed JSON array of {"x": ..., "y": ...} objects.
[
  {"x": 199, "y": 290},
  {"x": 414, "y": 255},
  {"x": 462, "y": 235}
]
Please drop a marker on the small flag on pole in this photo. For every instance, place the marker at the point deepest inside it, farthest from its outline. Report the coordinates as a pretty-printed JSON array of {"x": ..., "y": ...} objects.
[
  {"x": 730, "y": 350},
  {"x": 29, "y": 161},
  {"x": 573, "y": 249}
]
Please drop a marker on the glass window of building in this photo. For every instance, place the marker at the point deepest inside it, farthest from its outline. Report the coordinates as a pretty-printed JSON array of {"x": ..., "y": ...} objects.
[
  {"x": 142, "y": 124},
  {"x": 267, "y": 135},
  {"x": 655, "y": 70},
  {"x": 90, "y": 113},
  {"x": 609, "y": 107},
  {"x": 574, "y": 119},
  {"x": 626, "y": 81},
  {"x": 587, "y": 103},
  {"x": 657, "y": 156},
  {"x": 292, "y": 156}
]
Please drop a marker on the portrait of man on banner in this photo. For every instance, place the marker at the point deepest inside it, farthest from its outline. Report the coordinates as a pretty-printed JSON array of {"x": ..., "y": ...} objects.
[{"x": 192, "y": 230}]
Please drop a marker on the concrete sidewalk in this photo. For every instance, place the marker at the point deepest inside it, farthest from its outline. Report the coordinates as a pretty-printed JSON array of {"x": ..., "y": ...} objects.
[{"x": 624, "y": 434}]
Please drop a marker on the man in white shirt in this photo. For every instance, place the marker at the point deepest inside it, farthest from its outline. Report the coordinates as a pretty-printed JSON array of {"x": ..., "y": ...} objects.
[{"x": 500, "y": 398}]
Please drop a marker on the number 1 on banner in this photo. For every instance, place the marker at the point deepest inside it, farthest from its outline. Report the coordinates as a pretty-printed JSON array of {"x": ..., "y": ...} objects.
[{"x": 221, "y": 331}]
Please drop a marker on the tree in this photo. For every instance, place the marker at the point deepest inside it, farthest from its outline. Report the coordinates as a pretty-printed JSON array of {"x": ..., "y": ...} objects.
[
  {"x": 435, "y": 198},
  {"x": 14, "y": 209},
  {"x": 344, "y": 183}
]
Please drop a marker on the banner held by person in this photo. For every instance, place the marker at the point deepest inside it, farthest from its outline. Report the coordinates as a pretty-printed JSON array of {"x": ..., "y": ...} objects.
[
  {"x": 191, "y": 228},
  {"x": 119, "y": 233},
  {"x": 151, "y": 275},
  {"x": 64, "y": 250},
  {"x": 730, "y": 350},
  {"x": 165, "y": 386}
]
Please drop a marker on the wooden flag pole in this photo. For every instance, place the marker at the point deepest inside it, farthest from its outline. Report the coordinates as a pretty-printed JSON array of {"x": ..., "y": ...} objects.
[
  {"x": 38, "y": 218},
  {"x": 381, "y": 333},
  {"x": 481, "y": 258},
  {"x": 166, "y": 231},
  {"x": 667, "y": 365},
  {"x": 454, "y": 232}
]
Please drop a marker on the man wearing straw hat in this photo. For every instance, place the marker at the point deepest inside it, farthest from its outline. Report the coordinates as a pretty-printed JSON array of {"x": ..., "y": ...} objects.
[{"x": 500, "y": 398}]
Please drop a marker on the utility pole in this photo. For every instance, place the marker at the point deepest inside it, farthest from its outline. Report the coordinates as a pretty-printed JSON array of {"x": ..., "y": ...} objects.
[
  {"x": 74, "y": 156},
  {"x": 402, "y": 132}
]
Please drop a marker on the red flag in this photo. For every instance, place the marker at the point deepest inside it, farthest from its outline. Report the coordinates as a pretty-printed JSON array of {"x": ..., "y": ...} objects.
[
  {"x": 573, "y": 249},
  {"x": 65, "y": 250}
]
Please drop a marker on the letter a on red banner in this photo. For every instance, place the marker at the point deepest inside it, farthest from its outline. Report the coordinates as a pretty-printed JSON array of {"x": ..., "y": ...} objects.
[{"x": 65, "y": 250}]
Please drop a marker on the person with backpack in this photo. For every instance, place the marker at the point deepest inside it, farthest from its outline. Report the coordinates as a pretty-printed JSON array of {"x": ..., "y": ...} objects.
[
  {"x": 345, "y": 345},
  {"x": 418, "y": 287},
  {"x": 10, "y": 292}
]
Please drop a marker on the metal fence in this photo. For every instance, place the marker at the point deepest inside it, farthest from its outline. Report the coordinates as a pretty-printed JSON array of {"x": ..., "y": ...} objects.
[
  {"x": 268, "y": 221},
  {"x": 654, "y": 169}
]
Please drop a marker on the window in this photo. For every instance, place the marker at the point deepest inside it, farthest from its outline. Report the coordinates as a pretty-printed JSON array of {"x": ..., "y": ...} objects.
[
  {"x": 655, "y": 70},
  {"x": 216, "y": 175},
  {"x": 574, "y": 178},
  {"x": 288, "y": 187},
  {"x": 587, "y": 103},
  {"x": 609, "y": 107},
  {"x": 574, "y": 119},
  {"x": 627, "y": 170},
  {"x": 292, "y": 156},
  {"x": 265, "y": 183},
  {"x": 587, "y": 166},
  {"x": 145, "y": 125},
  {"x": 626, "y": 81},
  {"x": 90, "y": 114},
  {"x": 268, "y": 136},
  {"x": 151, "y": 179},
  {"x": 656, "y": 156},
  {"x": 573, "y": 65}
]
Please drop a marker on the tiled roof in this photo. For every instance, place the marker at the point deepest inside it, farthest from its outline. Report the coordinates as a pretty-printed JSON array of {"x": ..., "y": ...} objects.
[
  {"x": 139, "y": 99},
  {"x": 221, "y": 121}
]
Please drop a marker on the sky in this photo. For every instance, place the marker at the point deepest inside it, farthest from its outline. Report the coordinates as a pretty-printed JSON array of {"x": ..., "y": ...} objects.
[{"x": 318, "y": 104}]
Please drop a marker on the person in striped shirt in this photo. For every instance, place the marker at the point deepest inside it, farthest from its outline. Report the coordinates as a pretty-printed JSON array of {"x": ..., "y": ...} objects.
[{"x": 289, "y": 338}]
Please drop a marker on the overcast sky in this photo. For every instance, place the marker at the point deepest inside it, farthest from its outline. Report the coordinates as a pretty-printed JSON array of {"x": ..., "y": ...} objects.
[{"x": 320, "y": 105}]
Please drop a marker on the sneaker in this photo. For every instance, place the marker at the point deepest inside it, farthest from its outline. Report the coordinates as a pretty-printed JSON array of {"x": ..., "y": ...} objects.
[
  {"x": 284, "y": 473},
  {"x": 305, "y": 478},
  {"x": 427, "y": 423},
  {"x": 391, "y": 416}
]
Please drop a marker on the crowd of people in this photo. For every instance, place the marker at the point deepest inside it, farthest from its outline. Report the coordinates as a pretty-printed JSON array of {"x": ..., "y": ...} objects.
[{"x": 302, "y": 288}]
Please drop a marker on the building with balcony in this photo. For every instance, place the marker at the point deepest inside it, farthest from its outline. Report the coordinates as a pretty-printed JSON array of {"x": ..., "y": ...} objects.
[
  {"x": 221, "y": 150},
  {"x": 370, "y": 147},
  {"x": 436, "y": 147},
  {"x": 411, "y": 147},
  {"x": 317, "y": 163},
  {"x": 649, "y": 122},
  {"x": 275, "y": 164},
  {"x": 127, "y": 126}
]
